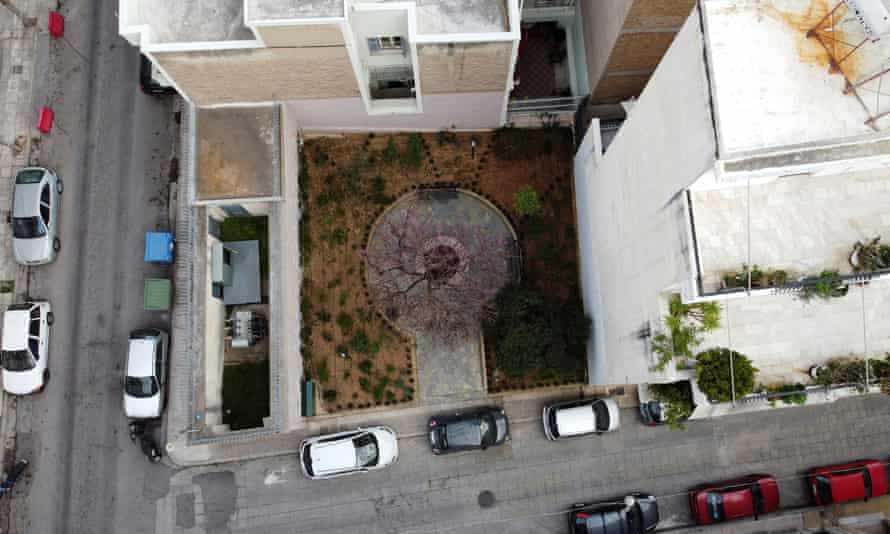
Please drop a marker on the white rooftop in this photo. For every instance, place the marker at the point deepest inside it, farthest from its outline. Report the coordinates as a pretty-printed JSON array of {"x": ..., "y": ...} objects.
[
  {"x": 175, "y": 21},
  {"x": 771, "y": 83}
]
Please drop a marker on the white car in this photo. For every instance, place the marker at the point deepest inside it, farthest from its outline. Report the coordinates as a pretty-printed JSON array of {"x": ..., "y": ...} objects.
[
  {"x": 344, "y": 453},
  {"x": 25, "y": 347},
  {"x": 146, "y": 374},
  {"x": 580, "y": 417},
  {"x": 35, "y": 216}
]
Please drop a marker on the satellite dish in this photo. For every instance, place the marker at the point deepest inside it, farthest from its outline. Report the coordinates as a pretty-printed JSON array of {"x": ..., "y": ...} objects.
[{"x": 874, "y": 15}]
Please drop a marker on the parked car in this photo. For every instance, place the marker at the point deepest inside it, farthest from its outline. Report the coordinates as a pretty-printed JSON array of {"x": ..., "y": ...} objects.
[
  {"x": 652, "y": 410},
  {"x": 478, "y": 429},
  {"x": 25, "y": 347},
  {"x": 35, "y": 216},
  {"x": 852, "y": 481},
  {"x": 146, "y": 374},
  {"x": 580, "y": 417},
  {"x": 346, "y": 453},
  {"x": 151, "y": 80},
  {"x": 750, "y": 496},
  {"x": 635, "y": 514}
]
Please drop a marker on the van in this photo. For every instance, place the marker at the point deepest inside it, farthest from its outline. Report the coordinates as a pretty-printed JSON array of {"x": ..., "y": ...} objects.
[{"x": 25, "y": 347}]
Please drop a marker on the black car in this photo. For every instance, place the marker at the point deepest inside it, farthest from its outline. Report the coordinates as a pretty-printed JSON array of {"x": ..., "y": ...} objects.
[
  {"x": 478, "y": 429},
  {"x": 635, "y": 514},
  {"x": 150, "y": 79}
]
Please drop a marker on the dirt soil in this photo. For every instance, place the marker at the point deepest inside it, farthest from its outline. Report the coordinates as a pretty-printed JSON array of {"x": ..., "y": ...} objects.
[{"x": 346, "y": 183}]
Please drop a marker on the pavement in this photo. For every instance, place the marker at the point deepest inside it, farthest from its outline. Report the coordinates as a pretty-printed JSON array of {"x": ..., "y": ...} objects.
[
  {"x": 533, "y": 481},
  {"x": 112, "y": 147}
]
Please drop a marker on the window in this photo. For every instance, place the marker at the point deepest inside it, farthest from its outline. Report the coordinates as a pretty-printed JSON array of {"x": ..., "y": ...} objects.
[
  {"x": 159, "y": 363},
  {"x": 34, "y": 328},
  {"x": 44, "y": 204},
  {"x": 28, "y": 227},
  {"x": 378, "y": 45},
  {"x": 34, "y": 345}
]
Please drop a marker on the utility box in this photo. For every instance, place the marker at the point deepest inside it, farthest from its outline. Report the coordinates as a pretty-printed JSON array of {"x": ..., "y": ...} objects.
[
  {"x": 308, "y": 398},
  {"x": 157, "y": 294}
]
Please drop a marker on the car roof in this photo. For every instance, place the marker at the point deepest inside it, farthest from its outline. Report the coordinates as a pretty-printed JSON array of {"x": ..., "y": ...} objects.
[
  {"x": 334, "y": 456},
  {"x": 26, "y": 200},
  {"x": 465, "y": 431},
  {"x": 15, "y": 329},
  {"x": 140, "y": 358},
  {"x": 575, "y": 420}
]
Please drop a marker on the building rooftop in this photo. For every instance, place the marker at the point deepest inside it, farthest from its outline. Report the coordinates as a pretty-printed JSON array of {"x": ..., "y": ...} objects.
[
  {"x": 258, "y": 10},
  {"x": 461, "y": 16},
  {"x": 771, "y": 83},
  {"x": 801, "y": 223},
  {"x": 237, "y": 153},
  {"x": 175, "y": 21}
]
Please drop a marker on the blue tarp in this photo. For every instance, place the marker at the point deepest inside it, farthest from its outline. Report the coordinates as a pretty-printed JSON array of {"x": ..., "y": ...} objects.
[{"x": 159, "y": 247}]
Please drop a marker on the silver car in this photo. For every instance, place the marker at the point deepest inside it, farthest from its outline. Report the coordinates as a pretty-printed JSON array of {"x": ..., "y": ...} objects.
[{"x": 35, "y": 216}]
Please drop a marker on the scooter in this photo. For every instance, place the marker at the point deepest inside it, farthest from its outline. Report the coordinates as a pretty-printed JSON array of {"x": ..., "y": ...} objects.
[
  {"x": 149, "y": 448},
  {"x": 17, "y": 470}
]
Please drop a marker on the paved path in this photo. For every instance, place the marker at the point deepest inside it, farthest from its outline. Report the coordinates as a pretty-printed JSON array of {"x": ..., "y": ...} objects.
[
  {"x": 533, "y": 480},
  {"x": 111, "y": 146}
]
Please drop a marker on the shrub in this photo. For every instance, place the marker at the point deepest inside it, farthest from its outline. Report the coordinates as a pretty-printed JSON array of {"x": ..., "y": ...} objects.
[
  {"x": 870, "y": 256},
  {"x": 323, "y": 372},
  {"x": 391, "y": 152},
  {"x": 321, "y": 157},
  {"x": 828, "y": 285},
  {"x": 344, "y": 296},
  {"x": 445, "y": 137},
  {"x": 337, "y": 236},
  {"x": 413, "y": 156},
  {"x": 364, "y": 384},
  {"x": 677, "y": 400},
  {"x": 365, "y": 366},
  {"x": 380, "y": 389},
  {"x": 712, "y": 371},
  {"x": 327, "y": 336},
  {"x": 334, "y": 283},
  {"x": 852, "y": 371},
  {"x": 323, "y": 316},
  {"x": 329, "y": 395},
  {"x": 529, "y": 332},
  {"x": 360, "y": 342},
  {"x": 526, "y": 201},
  {"x": 797, "y": 393},
  {"x": 344, "y": 321}
]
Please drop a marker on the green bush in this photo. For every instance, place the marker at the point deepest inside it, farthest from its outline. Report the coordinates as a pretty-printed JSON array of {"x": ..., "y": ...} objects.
[
  {"x": 413, "y": 156},
  {"x": 329, "y": 395},
  {"x": 322, "y": 372},
  {"x": 529, "y": 332},
  {"x": 677, "y": 400},
  {"x": 365, "y": 366},
  {"x": 391, "y": 152},
  {"x": 685, "y": 323},
  {"x": 323, "y": 316},
  {"x": 364, "y": 383},
  {"x": 344, "y": 321},
  {"x": 360, "y": 342},
  {"x": 827, "y": 285},
  {"x": 712, "y": 371},
  {"x": 526, "y": 201},
  {"x": 797, "y": 393},
  {"x": 852, "y": 371}
]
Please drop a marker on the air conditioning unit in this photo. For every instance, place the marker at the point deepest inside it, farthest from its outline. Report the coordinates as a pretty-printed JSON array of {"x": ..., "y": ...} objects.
[
  {"x": 874, "y": 15},
  {"x": 220, "y": 264}
]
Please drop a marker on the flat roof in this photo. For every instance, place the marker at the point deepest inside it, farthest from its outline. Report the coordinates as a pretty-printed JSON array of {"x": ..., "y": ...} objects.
[
  {"x": 176, "y": 21},
  {"x": 237, "y": 153},
  {"x": 803, "y": 224},
  {"x": 260, "y": 10},
  {"x": 771, "y": 84}
]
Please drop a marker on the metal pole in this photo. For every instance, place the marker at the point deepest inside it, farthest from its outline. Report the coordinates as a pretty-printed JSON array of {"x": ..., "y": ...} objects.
[
  {"x": 864, "y": 334},
  {"x": 731, "y": 364},
  {"x": 748, "y": 231}
]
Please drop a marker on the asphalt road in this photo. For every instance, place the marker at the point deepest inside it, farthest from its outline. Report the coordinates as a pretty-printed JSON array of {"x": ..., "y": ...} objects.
[{"x": 111, "y": 146}]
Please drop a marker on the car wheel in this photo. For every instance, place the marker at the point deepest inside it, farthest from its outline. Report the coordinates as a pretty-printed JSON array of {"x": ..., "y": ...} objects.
[
  {"x": 59, "y": 186},
  {"x": 57, "y": 244},
  {"x": 50, "y": 318},
  {"x": 45, "y": 377}
]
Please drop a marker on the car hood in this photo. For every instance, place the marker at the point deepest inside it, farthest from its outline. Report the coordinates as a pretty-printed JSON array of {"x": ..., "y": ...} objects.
[
  {"x": 387, "y": 445},
  {"x": 614, "y": 413},
  {"x": 33, "y": 250},
  {"x": 22, "y": 382},
  {"x": 142, "y": 408}
]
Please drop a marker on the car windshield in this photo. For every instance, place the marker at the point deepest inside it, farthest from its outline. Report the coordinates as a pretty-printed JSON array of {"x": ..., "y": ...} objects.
[
  {"x": 634, "y": 518},
  {"x": 489, "y": 429},
  {"x": 366, "y": 450},
  {"x": 715, "y": 507},
  {"x": 602, "y": 416},
  {"x": 17, "y": 360},
  {"x": 28, "y": 227},
  {"x": 30, "y": 176},
  {"x": 141, "y": 386},
  {"x": 823, "y": 486}
]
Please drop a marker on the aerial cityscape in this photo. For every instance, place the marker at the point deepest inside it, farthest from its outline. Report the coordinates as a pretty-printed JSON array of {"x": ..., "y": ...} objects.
[{"x": 445, "y": 266}]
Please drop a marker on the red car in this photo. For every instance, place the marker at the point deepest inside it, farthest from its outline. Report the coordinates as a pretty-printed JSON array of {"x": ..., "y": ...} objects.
[
  {"x": 853, "y": 481},
  {"x": 749, "y": 496}
]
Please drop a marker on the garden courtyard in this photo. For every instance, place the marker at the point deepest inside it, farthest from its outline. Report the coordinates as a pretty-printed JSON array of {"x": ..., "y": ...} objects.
[{"x": 438, "y": 267}]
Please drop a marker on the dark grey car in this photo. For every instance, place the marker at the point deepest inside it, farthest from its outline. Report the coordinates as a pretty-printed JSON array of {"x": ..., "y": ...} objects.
[
  {"x": 478, "y": 429},
  {"x": 635, "y": 514}
]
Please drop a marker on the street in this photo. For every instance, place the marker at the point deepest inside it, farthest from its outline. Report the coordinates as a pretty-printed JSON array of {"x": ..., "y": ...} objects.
[{"x": 112, "y": 147}]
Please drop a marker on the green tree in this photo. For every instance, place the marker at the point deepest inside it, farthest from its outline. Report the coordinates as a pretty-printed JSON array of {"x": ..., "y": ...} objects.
[
  {"x": 676, "y": 398},
  {"x": 526, "y": 201},
  {"x": 712, "y": 370},
  {"x": 391, "y": 152},
  {"x": 685, "y": 323}
]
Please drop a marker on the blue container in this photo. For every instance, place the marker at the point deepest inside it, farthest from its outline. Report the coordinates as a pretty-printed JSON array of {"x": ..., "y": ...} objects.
[{"x": 159, "y": 247}]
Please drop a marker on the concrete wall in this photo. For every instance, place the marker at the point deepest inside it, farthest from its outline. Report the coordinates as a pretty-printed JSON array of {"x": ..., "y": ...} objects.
[
  {"x": 625, "y": 41},
  {"x": 632, "y": 223},
  {"x": 303, "y": 35},
  {"x": 261, "y": 75},
  {"x": 464, "y": 68},
  {"x": 466, "y": 111},
  {"x": 214, "y": 345}
]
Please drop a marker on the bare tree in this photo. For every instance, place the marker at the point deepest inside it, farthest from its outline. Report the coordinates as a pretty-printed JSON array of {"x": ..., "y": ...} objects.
[{"x": 436, "y": 276}]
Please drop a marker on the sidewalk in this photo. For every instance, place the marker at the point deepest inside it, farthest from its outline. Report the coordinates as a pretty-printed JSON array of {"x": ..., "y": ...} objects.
[{"x": 408, "y": 423}]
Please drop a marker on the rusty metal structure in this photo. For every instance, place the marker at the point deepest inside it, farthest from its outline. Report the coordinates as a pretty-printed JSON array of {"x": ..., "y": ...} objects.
[{"x": 866, "y": 22}]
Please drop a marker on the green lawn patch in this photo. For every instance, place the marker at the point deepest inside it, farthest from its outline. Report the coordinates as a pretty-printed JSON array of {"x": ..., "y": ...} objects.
[
  {"x": 245, "y": 394},
  {"x": 248, "y": 229}
]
